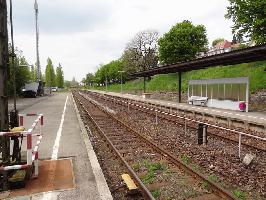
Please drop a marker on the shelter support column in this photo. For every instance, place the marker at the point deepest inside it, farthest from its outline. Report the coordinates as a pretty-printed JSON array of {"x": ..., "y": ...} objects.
[
  {"x": 179, "y": 87},
  {"x": 144, "y": 86},
  {"x": 247, "y": 95}
]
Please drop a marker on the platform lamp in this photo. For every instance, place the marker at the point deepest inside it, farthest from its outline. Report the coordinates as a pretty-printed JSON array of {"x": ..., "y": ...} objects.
[{"x": 121, "y": 72}]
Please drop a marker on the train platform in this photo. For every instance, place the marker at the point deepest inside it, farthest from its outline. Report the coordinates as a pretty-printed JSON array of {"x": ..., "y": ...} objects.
[
  {"x": 250, "y": 120},
  {"x": 68, "y": 167}
]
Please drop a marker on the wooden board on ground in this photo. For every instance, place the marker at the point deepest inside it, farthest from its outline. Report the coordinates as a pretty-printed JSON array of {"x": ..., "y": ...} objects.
[{"x": 54, "y": 175}]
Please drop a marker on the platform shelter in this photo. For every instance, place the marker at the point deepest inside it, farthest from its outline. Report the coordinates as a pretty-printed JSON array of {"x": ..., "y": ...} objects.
[
  {"x": 226, "y": 93},
  {"x": 247, "y": 55}
]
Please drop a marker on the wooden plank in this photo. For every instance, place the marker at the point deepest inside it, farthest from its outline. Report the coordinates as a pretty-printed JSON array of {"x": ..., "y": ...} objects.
[{"x": 129, "y": 182}]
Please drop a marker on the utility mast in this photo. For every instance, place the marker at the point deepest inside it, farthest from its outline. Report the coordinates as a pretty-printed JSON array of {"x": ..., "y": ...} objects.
[
  {"x": 37, "y": 41},
  {"x": 4, "y": 142}
]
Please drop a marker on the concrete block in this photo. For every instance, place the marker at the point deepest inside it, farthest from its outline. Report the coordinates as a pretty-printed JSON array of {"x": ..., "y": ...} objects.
[{"x": 248, "y": 159}]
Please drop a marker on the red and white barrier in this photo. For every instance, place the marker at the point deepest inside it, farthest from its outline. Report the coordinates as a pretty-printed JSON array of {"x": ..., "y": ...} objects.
[{"x": 32, "y": 153}]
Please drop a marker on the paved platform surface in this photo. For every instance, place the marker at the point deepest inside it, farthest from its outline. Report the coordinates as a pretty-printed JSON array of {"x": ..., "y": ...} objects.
[
  {"x": 65, "y": 137},
  {"x": 250, "y": 117}
]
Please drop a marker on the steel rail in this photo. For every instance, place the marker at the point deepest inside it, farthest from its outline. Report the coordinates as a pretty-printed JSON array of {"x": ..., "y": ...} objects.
[
  {"x": 146, "y": 193},
  {"x": 215, "y": 187}
]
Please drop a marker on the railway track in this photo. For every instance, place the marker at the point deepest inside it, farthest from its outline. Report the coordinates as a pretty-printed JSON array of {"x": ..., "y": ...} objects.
[
  {"x": 171, "y": 116},
  {"x": 148, "y": 163}
]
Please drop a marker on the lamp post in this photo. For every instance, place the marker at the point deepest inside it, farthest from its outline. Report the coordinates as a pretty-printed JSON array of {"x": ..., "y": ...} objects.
[
  {"x": 121, "y": 79},
  {"x": 36, "y": 9},
  {"x": 105, "y": 82}
]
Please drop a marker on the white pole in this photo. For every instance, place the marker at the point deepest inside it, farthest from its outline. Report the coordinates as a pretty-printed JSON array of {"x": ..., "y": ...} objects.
[
  {"x": 36, "y": 167},
  {"x": 156, "y": 118},
  {"x": 188, "y": 92},
  {"x": 121, "y": 82},
  {"x": 204, "y": 135},
  {"x": 206, "y": 90},
  {"x": 247, "y": 95},
  {"x": 239, "y": 145},
  {"x": 185, "y": 126}
]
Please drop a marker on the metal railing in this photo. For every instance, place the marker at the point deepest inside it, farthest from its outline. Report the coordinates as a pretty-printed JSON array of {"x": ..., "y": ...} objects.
[
  {"x": 32, "y": 152},
  {"x": 129, "y": 102}
]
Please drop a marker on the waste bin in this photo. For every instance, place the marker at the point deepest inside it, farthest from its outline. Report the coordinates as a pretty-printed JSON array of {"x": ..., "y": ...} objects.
[
  {"x": 13, "y": 121},
  {"x": 202, "y": 134}
]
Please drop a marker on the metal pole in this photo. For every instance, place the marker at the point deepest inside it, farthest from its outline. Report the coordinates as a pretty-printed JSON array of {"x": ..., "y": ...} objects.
[
  {"x": 121, "y": 82},
  {"x": 156, "y": 117},
  {"x": 4, "y": 141},
  {"x": 144, "y": 89},
  {"x": 185, "y": 126},
  {"x": 105, "y": 83},
  {"x": 37, "y": 41},
  {"x": 13, "y": 55},
  {"x": 247, "y": 95},
  {"x": 179, "y": 87},
  {"x": 239, "y": 146},
  {"x": 204, "y": 135}
]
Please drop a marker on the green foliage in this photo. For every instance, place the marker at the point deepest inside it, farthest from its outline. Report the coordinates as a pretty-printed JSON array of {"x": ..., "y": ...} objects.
[
  {"x": 141, "y": 52},
  {"x": 249, "y": 18},
  {"x": 22, "y": 74},
  {"x": 182, "y": 42},
  {"x": 148, "y": 178},
  {"x": 50, "y": 78},
  {"x": 89, "y": 79},
  {"x": 67, "y": 84},
  {"x": 136, "y": 166},
  {"x": 156, "y": 193},
  {"x": 196, "y": 167},
  {"x": 205, "y": 185},
  {"x": 154, "y": 166},
  {"x": 169, "y": 82},
  {"x": 59, "y": 77},
  {"x": 185, "y": 159},
  {"x": 74, "y": 83},
  {"x": 216, "y": 41},
  {"x": 239, "y": 194},
  {"x": 110, "y": 72},
  {"x": 213, "y": 178}
]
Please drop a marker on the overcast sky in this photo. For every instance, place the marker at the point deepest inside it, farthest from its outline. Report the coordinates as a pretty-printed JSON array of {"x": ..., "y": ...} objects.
[{"x": 81, "y": 34}]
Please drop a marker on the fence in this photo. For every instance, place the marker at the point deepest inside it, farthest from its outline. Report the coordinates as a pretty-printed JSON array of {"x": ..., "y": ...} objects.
[{"x": 156, "y": 111}]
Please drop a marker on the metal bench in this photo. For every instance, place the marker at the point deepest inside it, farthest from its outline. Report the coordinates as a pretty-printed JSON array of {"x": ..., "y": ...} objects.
[{"x": 196, "y": 100}]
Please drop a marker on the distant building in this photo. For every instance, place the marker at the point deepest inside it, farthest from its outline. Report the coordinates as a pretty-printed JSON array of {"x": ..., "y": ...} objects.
[{"x": 221, "y": 47}]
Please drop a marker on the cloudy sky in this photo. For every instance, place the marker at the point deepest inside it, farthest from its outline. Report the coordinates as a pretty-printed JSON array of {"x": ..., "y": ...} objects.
[{"x": 82, "y": 34}]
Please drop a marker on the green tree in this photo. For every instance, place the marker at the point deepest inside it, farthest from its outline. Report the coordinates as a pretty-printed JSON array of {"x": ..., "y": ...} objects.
[
  {"x": 50, "y": 74},
  {"x": 67, "y": 84},
  {"x": 249, "y": 18},
  {"x": 74, "y": 83},
  {"x": 141, "y": 52},
  {"x": 22, "y": 73},
  {"x": 109, "y": 72},
  {"x": 182, "y": 42},
  {"x": 59, "y": 77},
  {"x": 216, "y": 41},
  {"x": 89, "y": 79}
]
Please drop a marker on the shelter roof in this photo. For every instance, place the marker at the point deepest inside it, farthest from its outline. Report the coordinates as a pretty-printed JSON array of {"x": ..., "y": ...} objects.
[{"x": 251, "y": 54}]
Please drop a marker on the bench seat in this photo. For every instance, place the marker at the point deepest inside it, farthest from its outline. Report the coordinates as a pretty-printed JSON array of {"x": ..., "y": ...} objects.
[{"x": 196, "y": 100}]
